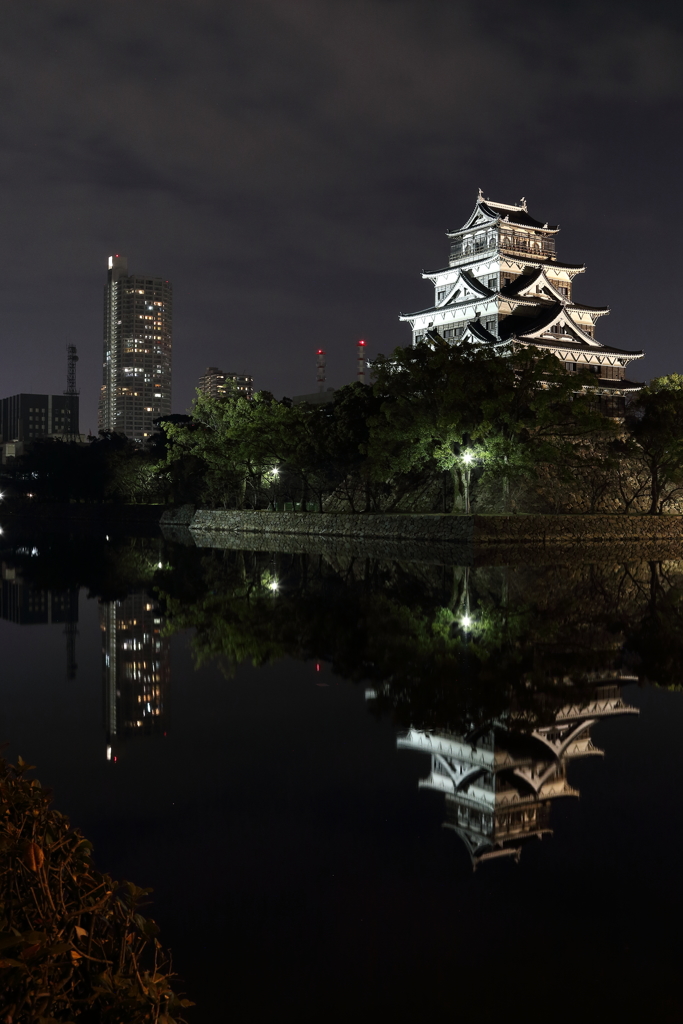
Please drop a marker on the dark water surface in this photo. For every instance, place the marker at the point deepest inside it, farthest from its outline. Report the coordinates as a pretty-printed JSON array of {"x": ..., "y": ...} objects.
[{"x": 247, "y": 733}]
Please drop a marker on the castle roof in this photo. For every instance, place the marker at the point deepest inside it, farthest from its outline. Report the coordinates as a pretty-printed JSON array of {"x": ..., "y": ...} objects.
[
  {"x": 515, "y": 214},
  {"x": 523, "y": 258}
]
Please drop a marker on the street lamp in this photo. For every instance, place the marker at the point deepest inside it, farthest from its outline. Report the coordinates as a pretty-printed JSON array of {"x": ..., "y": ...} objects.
[{"x": 468, "y": 459}]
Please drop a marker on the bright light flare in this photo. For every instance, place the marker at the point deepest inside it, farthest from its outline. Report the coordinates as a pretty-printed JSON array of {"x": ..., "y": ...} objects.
[
  {"x": 274, "y": 586},
  {"x": 466, "y": 621},
  {"x": 467, "y": 458}
]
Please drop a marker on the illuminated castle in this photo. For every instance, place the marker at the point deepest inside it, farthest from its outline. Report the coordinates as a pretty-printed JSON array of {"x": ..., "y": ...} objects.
[{"x": 504, "y": 283}]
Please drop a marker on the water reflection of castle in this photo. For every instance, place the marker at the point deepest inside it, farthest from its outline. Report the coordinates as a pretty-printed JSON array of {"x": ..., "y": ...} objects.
[
  {"x": 499, "y": 784},
  {"x": 136, "y": 669}
]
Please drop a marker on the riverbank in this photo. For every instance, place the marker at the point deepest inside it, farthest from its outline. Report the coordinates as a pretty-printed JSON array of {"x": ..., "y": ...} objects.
[{"x": 459, "y": 529}]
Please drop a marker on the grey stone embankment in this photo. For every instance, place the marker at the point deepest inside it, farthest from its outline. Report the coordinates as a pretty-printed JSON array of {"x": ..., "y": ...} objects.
[{"x": 477, "y": 530}]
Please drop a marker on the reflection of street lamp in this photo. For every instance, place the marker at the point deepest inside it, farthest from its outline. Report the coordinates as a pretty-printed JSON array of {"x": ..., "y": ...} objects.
[{"x": 468, "y": 459}]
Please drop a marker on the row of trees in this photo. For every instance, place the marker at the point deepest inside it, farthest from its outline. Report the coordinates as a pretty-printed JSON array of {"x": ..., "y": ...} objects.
[{"x": 444, "y": 429}]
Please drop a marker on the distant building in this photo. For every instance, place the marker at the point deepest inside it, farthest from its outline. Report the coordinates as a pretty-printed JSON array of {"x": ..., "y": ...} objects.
[
  {"x": 27, "y": 417},
  {"x": 136, "y": 370},
  {"x": 216, "y": 383},
  {"x": 315, "y": 398}
]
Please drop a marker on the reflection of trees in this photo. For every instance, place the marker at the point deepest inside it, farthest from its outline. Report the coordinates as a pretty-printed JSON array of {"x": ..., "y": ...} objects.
[{"x": 540, "y": 637}]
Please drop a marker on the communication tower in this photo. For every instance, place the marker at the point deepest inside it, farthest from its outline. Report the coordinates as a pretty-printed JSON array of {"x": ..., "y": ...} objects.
[{"x": 71, "y": 393}]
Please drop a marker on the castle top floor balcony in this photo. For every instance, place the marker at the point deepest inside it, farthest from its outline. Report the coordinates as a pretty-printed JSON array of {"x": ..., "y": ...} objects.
[
  {"x": 534, "y": 246},
  {"x": 539, "y": 245}
]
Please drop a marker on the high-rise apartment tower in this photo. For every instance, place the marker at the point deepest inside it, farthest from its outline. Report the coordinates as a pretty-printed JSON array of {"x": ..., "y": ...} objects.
[{"x": 136, "y": 371}]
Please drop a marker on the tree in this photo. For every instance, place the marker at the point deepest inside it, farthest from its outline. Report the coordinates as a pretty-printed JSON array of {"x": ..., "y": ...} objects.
[
  {"x": 656, "y": 435},
  {"x": 506, "y": 410}
]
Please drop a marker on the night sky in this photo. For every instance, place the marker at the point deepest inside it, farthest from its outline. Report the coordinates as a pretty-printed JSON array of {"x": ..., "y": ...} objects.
[{"x": 292, "y": 165}]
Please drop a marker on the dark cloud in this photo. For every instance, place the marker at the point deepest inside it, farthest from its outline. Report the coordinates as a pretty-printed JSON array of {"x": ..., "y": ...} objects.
[{"x": 292, "y": 164}]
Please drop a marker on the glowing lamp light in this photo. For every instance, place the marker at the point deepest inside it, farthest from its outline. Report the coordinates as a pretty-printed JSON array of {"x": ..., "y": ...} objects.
[
  {"x": 466, "y": 621},
  {"x": 160, "y": 565},
  {"x": 468, "y": 457},
  {"x": 274, "y": 585},
  {"x": 362, "y": 343},
  {"x": 276, "y": 471}
]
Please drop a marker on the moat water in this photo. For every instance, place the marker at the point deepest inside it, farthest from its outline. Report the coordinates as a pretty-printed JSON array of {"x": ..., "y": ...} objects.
[{"x": 367, "y": 787}]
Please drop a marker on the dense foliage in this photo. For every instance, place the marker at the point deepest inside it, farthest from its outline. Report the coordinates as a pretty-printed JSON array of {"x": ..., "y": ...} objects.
[
  {"x": 443, "y": 646},
  {"x": 442, "y": 428},
  {"x": 74, "y": 945}
]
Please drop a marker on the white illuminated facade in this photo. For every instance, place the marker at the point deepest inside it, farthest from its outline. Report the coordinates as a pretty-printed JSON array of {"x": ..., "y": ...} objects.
[
  {"x": 136, "y": 371},
  {"x": 504, "y": 283}
]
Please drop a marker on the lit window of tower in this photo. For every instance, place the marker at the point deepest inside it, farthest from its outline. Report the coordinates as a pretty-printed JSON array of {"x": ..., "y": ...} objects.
[{"x": 136, "y": 371}]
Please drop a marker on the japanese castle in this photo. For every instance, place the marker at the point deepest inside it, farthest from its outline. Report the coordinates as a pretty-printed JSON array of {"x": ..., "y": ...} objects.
[{"x": 505, "y": 284}]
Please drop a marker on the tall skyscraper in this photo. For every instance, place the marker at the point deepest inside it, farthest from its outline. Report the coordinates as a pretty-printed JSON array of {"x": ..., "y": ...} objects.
[{"x": 136, "y": 371}]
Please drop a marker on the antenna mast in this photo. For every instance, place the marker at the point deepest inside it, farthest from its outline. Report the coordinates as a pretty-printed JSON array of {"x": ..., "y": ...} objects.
[
  {"x": 360, "y": 359},
  {"x": 71, "y": 393},
  {"x": 320, "y": 366}
]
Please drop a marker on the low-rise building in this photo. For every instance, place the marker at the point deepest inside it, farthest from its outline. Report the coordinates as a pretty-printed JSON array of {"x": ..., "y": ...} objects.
[
  {"x": 218, "y": 384},
  {"x": 27, "y": 417}
]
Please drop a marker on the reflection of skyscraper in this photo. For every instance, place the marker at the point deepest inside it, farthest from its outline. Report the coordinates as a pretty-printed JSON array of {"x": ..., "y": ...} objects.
[
  {"x": 136, "y": 668},
  {"x": 499, "y": 785}
]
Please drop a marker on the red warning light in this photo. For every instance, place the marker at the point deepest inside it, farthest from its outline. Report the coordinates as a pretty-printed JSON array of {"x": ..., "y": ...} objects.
[
  {"x": 320, "y": 352},
  {"x": 317, "y": 666},
  {"x": 361, "y": 343}
]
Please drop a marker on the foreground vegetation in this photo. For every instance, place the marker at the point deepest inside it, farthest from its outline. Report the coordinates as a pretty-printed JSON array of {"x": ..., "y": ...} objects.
[
  {"x": 443, "y": 429},
  {"x": 74, "y": 945}
]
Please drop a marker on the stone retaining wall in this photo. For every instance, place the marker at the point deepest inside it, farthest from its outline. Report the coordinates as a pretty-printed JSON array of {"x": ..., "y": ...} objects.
[{"x": 459, "y": 529}]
